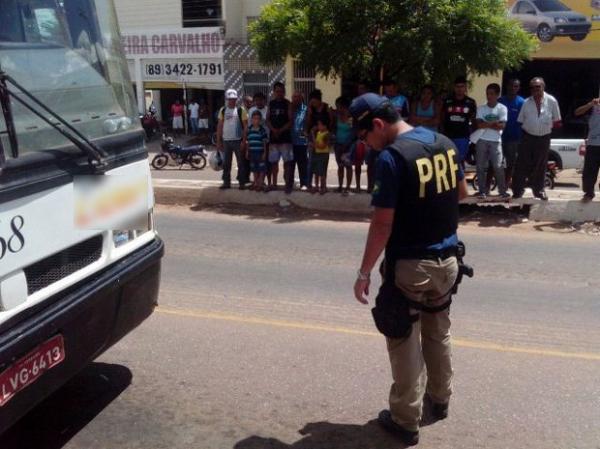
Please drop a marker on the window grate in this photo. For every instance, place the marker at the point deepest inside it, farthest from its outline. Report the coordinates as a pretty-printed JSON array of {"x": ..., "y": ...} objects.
[
  {"x": 304, "y": 79},
  {"x": 60, "y": 265},
  {"x": 201, "y": 13},
  {"x": 256, "y": 82}
]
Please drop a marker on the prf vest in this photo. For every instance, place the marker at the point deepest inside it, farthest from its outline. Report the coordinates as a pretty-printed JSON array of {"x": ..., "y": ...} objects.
[{"x": 427, "y": 208}]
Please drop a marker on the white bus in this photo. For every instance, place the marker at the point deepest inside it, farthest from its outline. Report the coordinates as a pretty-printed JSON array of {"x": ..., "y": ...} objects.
[{"x": 79, "y": 256}]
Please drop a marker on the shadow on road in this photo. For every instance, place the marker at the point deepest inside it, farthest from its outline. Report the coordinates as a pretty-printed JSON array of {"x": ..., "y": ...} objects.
[
  {"x": 60, "y": 417},
  {"x": 280, "y": 215},
  {"x": 493, "y": 216},
  {"x": 324, "y": 435}
]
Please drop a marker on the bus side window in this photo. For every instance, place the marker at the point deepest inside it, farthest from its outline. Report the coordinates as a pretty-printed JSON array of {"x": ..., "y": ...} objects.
[
  {"x": 10, "y": 23},
  {"x": 44, "y": 25}
]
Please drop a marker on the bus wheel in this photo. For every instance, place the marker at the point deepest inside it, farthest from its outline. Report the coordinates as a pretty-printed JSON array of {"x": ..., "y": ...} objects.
[
  {"x": 160, "y": 161},
  {"x": 198, "y": 161}
]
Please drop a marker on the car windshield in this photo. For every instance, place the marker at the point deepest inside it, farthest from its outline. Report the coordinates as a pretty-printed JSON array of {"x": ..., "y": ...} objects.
[
  {"x": 551, "y": 5},
  {"x": 66, "y": 53}
]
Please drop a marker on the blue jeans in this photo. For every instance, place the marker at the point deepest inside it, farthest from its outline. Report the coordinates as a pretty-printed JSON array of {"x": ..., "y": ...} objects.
[
  {"x": 194, "y": 125},
  {"x": 462, "y": 145}
]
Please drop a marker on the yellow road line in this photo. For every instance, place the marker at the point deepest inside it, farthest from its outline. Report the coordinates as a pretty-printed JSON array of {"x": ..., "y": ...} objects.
[{"x": 345, "y": 330}]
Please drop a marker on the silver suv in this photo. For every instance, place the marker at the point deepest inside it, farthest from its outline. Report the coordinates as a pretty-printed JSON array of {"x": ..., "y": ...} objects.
[{"x": 550, "y": 18}]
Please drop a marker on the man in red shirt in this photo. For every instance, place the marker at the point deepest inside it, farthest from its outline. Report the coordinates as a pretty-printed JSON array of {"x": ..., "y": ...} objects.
[{"x": 177, "y": 114}]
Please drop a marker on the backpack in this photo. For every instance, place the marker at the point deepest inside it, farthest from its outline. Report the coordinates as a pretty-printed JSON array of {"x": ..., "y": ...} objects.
[{"x": 239, "y": 114}]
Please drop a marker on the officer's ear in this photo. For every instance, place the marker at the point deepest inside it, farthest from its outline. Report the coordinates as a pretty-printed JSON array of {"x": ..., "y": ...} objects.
[{"x": 378, "y": 124}]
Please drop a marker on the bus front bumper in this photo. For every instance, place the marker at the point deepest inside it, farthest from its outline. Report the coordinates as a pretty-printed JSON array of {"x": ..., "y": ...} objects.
[{"x": 91, "y": 317}]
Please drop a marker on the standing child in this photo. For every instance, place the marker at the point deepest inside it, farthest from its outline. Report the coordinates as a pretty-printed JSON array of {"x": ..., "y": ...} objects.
[
  {"x": 359, "y": 152},
  {"x": 320, "y": 157},
  {"x": 343, "y": 142},
  {"x": 257, "y": 150}
]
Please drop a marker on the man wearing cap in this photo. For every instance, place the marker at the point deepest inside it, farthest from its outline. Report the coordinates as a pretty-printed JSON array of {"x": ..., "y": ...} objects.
[
  {"x": 418, "y": 184},
  {"x": 231, "y": 132}
]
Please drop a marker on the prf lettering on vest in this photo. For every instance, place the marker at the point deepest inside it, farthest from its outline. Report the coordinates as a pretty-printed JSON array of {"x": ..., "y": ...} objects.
[{"x": 443, "y": 168}]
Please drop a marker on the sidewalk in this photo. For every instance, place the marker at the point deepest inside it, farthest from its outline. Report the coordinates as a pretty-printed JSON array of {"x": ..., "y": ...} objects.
[
  {"x": 562, "y": 206},
  {"x": 190, "y": 187}
]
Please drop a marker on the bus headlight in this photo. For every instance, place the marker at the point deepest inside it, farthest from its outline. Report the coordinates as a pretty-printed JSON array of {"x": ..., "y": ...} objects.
[
  {"x": 111, "y": 125},
  {"x": 125, "y": 123},
  {"x": 139, "y": 227}
]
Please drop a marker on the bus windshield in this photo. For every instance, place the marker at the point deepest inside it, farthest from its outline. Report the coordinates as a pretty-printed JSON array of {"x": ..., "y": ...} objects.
[{"x": 66, "y": 53}]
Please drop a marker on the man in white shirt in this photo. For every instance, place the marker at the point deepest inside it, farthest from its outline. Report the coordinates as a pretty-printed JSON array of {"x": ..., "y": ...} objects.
[
  {"x": 539, "y": 115},
  {"x": 491, "y": 120},
  {"x": 231, "y": 138},
  {"x": 194, "y": 109}
]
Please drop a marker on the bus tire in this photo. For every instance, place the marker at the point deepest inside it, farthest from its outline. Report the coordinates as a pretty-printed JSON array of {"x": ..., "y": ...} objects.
[{"x": 160, "y": 161}]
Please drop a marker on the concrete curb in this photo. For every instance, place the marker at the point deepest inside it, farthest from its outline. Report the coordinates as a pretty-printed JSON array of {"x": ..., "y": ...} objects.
[
  {"x": 563, "y": 206},
  {"x": 202, "y": 192},
  {"x": 572, "y": 211}
]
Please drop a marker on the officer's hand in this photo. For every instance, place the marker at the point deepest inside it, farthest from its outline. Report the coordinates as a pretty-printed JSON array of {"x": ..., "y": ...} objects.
[{"x": 361, "y": 288}]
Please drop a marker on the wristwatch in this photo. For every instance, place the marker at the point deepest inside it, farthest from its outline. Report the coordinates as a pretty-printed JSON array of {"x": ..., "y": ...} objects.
[{"x": 362, "y": 276}]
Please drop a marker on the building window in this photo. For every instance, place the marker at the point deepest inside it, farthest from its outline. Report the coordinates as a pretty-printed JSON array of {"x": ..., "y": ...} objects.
[
  {"x": 201, "y": 13},
  {"x": 304, "y": 79},
  {"x": 256, "y": 82}
]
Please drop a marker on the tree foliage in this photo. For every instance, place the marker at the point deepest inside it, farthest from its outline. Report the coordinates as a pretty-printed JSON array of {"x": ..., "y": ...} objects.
[{"x": 416, "y": 41}]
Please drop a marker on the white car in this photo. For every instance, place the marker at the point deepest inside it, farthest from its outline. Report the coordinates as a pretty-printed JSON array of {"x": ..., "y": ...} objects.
[{"x": 567, "y": 153}]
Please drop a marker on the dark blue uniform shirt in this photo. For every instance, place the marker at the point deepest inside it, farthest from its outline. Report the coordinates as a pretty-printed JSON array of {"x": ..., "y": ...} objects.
[{"x": 388, "y": 180}]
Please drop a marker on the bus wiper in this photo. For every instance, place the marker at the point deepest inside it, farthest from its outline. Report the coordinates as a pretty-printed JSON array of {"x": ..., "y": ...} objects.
[
  {"x": 8, "y": 118},
  {"x": 96, "y": 155},
  {"x": 2, "y": 157}
]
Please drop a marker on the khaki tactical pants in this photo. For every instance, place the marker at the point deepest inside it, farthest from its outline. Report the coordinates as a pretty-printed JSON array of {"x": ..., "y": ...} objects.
[{"x": 422, "y": 362}]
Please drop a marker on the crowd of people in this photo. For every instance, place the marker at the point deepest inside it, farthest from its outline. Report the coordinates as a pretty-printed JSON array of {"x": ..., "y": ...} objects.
[{"x": 507, "y": 137}]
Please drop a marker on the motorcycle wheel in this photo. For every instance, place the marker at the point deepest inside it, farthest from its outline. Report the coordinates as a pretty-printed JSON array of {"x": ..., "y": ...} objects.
[
  {"x": 160, "y": 161},
  {"x": 475, "y": 184},
  {"x": 549, "y": 181},
  {"x": 198, "y": 161}
]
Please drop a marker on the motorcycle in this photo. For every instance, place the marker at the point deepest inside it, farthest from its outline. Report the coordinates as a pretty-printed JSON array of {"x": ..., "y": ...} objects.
[{"x": 194, "y": 155}]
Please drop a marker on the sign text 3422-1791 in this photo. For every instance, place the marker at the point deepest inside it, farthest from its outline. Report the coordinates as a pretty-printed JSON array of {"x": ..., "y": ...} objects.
[{"x": 183, "y": 69}]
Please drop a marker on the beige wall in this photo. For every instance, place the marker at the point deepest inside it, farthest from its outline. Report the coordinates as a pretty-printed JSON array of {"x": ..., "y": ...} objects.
[
  {"x": 156, "y": 13},
  {"x": 478, "y": 85},
  {"x": 331, "y": 88},
  {"x": 236, "y": 14}
]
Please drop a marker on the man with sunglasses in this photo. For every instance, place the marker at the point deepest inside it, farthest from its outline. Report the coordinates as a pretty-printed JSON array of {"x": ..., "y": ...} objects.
[
  {"x": 418, "y": 185},
  {"x": 539, "y": 115}
]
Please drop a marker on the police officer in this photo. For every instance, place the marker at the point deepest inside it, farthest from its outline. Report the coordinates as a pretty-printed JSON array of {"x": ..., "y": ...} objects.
[{"x": 418, "y": 185}]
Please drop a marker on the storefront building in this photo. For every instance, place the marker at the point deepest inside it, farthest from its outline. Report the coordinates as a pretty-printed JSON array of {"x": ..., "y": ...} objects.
[
  {"x": 568, "y": 32},
  {"x": 174, "y": 50}
]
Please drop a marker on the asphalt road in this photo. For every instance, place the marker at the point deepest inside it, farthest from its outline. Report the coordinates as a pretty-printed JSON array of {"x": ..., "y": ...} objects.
[{"x": 258, "y": 343}]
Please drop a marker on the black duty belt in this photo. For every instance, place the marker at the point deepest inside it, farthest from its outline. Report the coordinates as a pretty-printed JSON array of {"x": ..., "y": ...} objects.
[{"x": 428, "y": 254}]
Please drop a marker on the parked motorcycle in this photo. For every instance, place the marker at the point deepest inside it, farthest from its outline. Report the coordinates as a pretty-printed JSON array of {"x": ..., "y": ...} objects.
[{"x": 194, "y": 155}]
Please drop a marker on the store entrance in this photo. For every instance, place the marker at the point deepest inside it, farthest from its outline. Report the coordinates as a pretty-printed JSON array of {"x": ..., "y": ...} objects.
[
  {"x": 214, "y": 99},
  {"x": 571, "y": 82}
]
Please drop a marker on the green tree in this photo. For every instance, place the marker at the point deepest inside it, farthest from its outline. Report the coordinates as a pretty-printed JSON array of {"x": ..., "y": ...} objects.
[{"x": 416, "y": 41}]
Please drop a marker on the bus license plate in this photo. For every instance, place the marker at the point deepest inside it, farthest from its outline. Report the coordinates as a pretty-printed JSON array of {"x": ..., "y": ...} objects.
[{"x": 30, "y": 368}]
